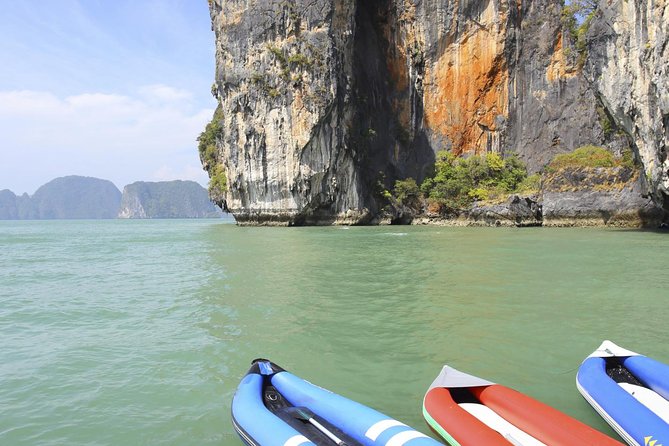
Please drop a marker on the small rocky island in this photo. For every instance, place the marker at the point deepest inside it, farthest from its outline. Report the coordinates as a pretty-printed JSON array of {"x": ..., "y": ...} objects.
[
  {"x": 167, "y": 199},
  {"x": 362, "y": 112}
]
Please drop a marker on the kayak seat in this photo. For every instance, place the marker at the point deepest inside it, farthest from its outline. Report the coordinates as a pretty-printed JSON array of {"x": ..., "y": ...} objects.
[{"x": 289, "y": 415}]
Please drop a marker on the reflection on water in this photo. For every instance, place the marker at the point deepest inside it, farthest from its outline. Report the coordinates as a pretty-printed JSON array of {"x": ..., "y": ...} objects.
[{"x": 138, "y": 332}]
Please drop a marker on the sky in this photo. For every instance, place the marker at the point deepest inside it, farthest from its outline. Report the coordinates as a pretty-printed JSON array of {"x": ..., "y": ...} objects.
[{"x": 113, "y": 89}]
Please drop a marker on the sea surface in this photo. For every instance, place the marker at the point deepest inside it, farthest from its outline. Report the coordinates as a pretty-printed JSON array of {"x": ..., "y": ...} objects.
[{"x": 127, "y": 332}]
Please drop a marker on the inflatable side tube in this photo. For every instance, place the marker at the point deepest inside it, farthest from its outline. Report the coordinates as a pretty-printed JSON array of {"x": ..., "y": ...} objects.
[
  {"x": 454, "y": 424},
  {"x": 630, "y": 418},
  {"x": 654, "y": 374},
  {"x": 546, "y": 424},
  {"x": 255, "y": 424},
  {"x": 365, "y": 425}
]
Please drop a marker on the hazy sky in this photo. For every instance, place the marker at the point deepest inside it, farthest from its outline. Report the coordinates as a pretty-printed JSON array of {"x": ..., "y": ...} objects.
[{"x": 114, "y": 89}]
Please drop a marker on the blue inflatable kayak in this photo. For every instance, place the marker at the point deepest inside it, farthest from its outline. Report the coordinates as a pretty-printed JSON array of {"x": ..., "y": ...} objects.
[
  {"x": 273, "y": 407},
  {"x": 630, "y": 391}
]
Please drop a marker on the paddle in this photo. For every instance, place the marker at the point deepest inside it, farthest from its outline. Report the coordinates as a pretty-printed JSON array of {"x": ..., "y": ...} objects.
[{"x": 304, "y": 414}]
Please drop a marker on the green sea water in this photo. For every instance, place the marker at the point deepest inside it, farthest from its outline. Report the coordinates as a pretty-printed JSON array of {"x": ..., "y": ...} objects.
[{"x": 137, "y": 332}]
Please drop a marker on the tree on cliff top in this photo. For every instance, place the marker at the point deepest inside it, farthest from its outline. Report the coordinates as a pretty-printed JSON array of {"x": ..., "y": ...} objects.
[
  {"x": 580, "y": 9},
  {"x": 576, "y": 17}
]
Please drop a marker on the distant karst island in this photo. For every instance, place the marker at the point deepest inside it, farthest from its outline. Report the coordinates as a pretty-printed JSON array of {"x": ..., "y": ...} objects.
[
  {"x": 78, "y": 197},
  {"x": 166, "y": 199}
]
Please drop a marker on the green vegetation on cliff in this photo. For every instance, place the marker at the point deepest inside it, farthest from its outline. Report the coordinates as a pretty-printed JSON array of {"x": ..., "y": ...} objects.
[
  {"x": 457, "y": 182},
  {"x": 209, "y": 155},
  {"x": 590, "y": 157},
  {"x": 207, "y": 140},
  {"x": 577, "y": 16},
  {"x": 591, "y": 169},
  {"x": 218, "y": 182},
  {"x": 408, "y": 193}
]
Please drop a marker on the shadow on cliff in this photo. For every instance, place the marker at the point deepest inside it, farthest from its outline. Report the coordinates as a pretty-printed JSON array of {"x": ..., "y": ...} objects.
[{"x": 388, "y": 136}]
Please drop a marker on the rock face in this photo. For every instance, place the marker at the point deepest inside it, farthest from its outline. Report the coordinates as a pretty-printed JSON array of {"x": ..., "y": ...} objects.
[
  {"x": 284, "y": 81},
  {"x": 629, "y": 68},
  {"x": 325, "y": 103},
  {"x": 166, "y": 199},
  {"x": 517, "y": 211},
  {"x": 596, "y": 197}
]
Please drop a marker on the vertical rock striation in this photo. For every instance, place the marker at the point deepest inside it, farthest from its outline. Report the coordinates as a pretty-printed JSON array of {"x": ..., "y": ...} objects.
[
  {"x": 467, "y": 75},
  {"x": 326, "y": 103},
  {"x": 284, "y": 73},
  {"x": 497, "y": 76},
  {"x": 629, "y": 68},
  {"x": 552, "y": 109}
]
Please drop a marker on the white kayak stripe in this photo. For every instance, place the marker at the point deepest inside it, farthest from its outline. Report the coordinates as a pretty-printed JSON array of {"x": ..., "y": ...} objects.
[
  {"x": 404, "y": 437},
  {"x": 297, "y": 440},
  {"x": 378, "y": 428},
  {"x": 494, "y": 421},
  {"x": 649, "y": 398}
]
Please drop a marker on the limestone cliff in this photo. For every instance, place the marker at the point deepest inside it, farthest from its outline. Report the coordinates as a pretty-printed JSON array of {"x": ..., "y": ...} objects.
[
  {"x": 629, "y": 68},
  {"x": 284, "y": 79},
  {"x": 325, "y": 103},
  {"x": 597, "y": 197}
]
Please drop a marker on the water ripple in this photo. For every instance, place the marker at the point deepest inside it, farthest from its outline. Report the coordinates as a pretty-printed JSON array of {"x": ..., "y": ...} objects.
[{"x": 137, "y": 332}]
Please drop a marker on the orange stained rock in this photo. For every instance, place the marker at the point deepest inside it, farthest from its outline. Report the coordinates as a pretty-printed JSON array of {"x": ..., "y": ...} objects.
[
  {"x": 302, "y": 120},
  {"x": 397, "y": 67},
  {"x": 400, "y": 41},
  {"x": 467, "y": 86},
  {"x": 559, "y": 68}
]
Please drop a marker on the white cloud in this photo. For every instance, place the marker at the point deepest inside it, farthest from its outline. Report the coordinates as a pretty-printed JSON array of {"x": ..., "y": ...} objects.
[
  {"x": 165, "y": 93},
  {"x": 34, "y": 103},
  {"x": 117, "y": 137},
  {"x": 189, "y": 172}
]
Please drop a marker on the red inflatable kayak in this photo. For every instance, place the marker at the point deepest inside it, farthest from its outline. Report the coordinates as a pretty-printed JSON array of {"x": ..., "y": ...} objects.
[{"x": 469, "y": 411}]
